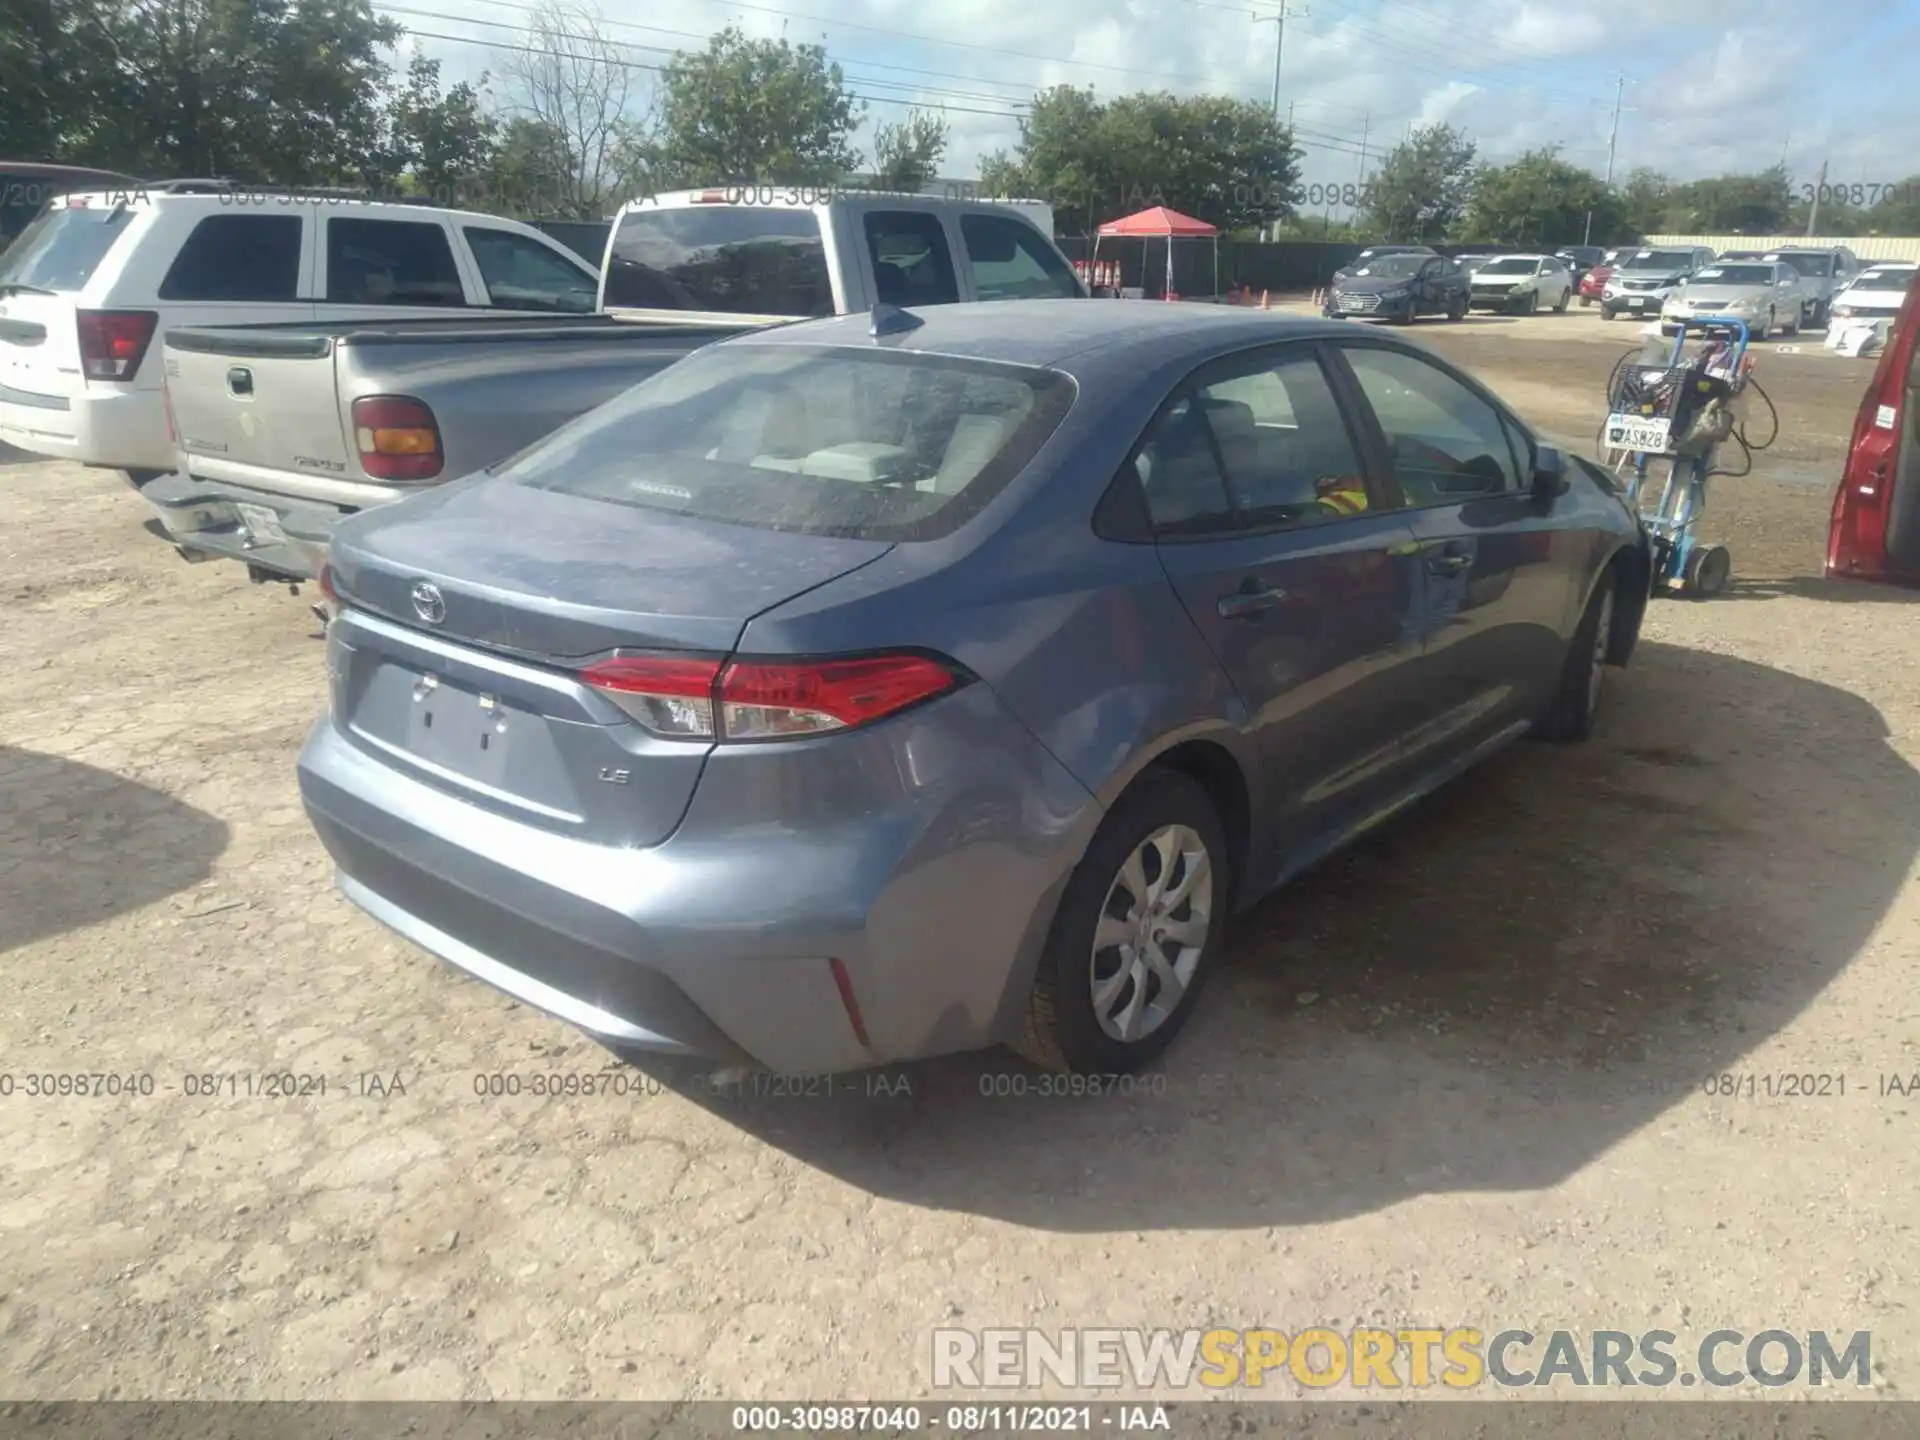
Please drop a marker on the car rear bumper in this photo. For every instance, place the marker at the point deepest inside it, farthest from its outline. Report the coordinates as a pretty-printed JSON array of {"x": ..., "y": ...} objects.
[
  {"x": 207, "y": 520},
  {"x": 122, "y": 430},
  {"x": 927, "y": 861}
]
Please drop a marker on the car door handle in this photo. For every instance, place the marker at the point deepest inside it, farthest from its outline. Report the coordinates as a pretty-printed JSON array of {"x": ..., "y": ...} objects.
[
  {"x": 1448, "y": 564},
  {"x": 1252, "y": 598}
]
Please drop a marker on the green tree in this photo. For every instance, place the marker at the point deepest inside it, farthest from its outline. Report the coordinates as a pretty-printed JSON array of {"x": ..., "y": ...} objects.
[
  {"x": 1221, "y": 160},
  {"x": 529, "y": 175},
  {"x": 1539, "y": 200},
  {"x": 906, "y": 156},
  {"x": 1896, "y": 211},
  {"x": 1645, "y": 198},
  {"x": 760, "y": 111},
  {"x": 1757, "y": 204},
  {"x": 1422, "y": 188},
  {"x": 286, "y": 91},
  {"x": 442, "y": 142},
  {"x": 58, "y": 99}
]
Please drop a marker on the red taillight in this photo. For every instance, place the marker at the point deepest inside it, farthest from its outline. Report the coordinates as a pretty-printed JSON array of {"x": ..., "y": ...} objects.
[
  {"x": 113, "y": 342},
  {"x": 766, "y": 699},
  {"x": 668, "y": 695},
  {"x": 397, "y": 437}
]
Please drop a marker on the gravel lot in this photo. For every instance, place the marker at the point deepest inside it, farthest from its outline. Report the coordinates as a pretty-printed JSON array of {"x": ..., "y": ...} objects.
[{"x": 1454, "y": 1077}]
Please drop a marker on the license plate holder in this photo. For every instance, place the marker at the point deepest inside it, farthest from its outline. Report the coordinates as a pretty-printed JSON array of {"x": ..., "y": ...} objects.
[
  {"x": 1636, "y": 304},
  {"x": 1644, "y": 434},
  {"x": 458, "y": 731},
  {"x": 263, "y": 525}
]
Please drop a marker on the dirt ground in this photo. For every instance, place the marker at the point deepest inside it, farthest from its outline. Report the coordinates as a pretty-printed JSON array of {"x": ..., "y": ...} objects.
[{"x": 1457, "y": 1076}]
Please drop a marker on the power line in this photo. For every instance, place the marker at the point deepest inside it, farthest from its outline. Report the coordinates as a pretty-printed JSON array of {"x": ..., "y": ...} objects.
[
  {"x": 669, "y": 50},
  {"x": 521, "y": 7},
  {"x": 658, "y": 69}
]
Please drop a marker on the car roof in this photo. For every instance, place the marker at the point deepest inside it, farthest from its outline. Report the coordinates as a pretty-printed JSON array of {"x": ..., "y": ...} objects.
[
  {"x": 1048, "y": 332},
  {"x": 137, "y": 193}
]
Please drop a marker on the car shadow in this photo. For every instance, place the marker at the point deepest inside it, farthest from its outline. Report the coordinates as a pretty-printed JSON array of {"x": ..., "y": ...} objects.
[
  {"x": 1485, "y": 995},
  {"x": 1818, "y": 587},
  {"x": 79, "y": 845},
  {"x": 10, "y": 457}
]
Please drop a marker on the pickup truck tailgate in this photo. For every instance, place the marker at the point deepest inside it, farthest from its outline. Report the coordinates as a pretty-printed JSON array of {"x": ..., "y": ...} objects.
[{"x": 259, "y": 410}]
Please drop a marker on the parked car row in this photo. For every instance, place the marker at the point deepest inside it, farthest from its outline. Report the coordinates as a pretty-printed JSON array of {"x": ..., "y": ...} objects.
[
  {"x": 940, "y": 673},
  {"x": 1400, "y": 283}
]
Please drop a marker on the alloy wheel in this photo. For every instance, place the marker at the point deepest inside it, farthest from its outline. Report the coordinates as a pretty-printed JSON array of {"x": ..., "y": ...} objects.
[
  {"x": 1152, "y": 932},
  {"x": 1602, "y": 636}
]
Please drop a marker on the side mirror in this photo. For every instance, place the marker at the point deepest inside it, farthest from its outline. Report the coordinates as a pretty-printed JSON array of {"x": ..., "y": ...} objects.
[{"x": 1549, "y": 472}]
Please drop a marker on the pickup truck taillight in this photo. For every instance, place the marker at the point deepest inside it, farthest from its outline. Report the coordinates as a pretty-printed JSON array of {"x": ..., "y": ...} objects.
[
  {"x": 397, "y": 437},
  {"x": 113, "y": 342}
]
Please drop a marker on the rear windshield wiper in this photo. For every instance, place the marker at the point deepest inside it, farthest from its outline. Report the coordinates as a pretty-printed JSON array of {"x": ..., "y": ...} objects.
[{"x": 20, "y": 287}]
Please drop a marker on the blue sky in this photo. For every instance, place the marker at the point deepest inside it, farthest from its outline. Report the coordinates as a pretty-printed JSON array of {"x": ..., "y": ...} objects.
[{"x": 1709, "y": 88}]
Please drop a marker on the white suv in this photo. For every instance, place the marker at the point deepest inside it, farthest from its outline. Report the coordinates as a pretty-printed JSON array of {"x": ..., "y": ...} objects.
[{"x": 87, "y": 290}]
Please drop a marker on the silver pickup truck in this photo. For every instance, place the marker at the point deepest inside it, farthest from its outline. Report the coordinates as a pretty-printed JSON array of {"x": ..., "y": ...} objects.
[{"x": 282, "y": 429}]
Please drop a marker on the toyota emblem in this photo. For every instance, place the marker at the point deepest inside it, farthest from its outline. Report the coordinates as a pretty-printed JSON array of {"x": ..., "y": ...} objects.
[{"x": 428, "y": 603}]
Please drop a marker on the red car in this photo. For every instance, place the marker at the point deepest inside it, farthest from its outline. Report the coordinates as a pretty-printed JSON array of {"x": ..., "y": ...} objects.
[
  {"x": 1875, "y": 531},
  {"x": 1593, "y": 282}
]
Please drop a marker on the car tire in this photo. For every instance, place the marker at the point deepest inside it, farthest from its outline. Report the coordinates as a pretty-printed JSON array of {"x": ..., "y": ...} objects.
[
  {"x": 1531, "y": 303},
  {"x": 1576, "y": 699},
  {"x": 1457, "y": 308},
  {"x": 1566, "y": 299},
  {"x": 140, "y": 479},
  {"x": 1082, "y": 993},
  {"x": 1764, "y": 330},
  {"x": 1586, "y": 302}
]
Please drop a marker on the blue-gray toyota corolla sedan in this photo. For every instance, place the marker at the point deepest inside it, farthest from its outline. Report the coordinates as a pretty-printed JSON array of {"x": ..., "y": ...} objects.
[{"x": 902, "y": 684}]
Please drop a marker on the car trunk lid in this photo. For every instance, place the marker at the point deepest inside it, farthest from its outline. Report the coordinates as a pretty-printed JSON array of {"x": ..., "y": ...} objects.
[{"x": 457, "y": 661}]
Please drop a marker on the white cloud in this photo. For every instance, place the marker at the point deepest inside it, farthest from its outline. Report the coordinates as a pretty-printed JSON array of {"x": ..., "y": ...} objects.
[{"x": 1714, "y": 87}]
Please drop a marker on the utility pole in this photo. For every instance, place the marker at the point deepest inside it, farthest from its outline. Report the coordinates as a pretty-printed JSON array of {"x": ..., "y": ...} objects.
[
  {"x": 1813, "y": 210},
  {"x": 1279, "y": 23},
  {"x": 1366, "y": 130},
  {"x": 1613, "y": 144}
]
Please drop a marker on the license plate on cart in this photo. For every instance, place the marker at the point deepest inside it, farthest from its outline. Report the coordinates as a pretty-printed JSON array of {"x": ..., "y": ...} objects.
[{"x": 1649, "y": 434}]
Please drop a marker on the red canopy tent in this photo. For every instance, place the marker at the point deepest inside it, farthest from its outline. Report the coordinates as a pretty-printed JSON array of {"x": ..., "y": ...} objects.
[{"x": 1171, "y": 223}]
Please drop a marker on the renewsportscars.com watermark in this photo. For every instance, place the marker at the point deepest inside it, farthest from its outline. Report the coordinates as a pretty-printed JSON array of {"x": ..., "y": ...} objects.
[{"x": 1408, "y": 1358}]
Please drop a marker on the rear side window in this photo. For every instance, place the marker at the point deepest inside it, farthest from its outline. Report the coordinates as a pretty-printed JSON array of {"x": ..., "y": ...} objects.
[
  {"x": 882, "y": 445},
  {"x": 523, "y": 274},
  {"x": 730, "y": 259},
  {"x": 911, "y": 263},
  {"x": 237, "y": 257},
  {"x": 61, "y": 250},
  {"x": 390, "y": 262},
  {"x": 1013, "y": 261}
]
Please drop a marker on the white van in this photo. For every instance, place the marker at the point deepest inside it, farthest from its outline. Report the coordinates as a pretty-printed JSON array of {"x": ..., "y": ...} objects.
[{"x": 89, "y": 287}]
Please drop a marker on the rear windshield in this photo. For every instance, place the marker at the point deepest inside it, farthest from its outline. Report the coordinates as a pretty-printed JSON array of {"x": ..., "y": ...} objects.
[
  {"x": 1817, "y": 266},
  {"x": 1735, "y": 275},
  {"x": 880, "y": 445},
  {"x": 732, "y": 259},
  {"x": 1667, "y": 260},
  {"x": 61, "y": 250},
  {"x": 1394, "y": 265},
  {"x": 1509, "y": 266}
]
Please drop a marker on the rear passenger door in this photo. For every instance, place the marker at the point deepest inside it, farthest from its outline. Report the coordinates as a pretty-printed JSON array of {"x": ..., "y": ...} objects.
[
  {"x": 909, "y": 259},
  {"x": 1302, "y": 578},
  {"x": 1008, "y": 259},
  {"x": 517, "y": 272},
  {"x": 1500, "y": 569},
  {"x": 242, "y": 266},
  {"x": 374, "y": 266}
]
